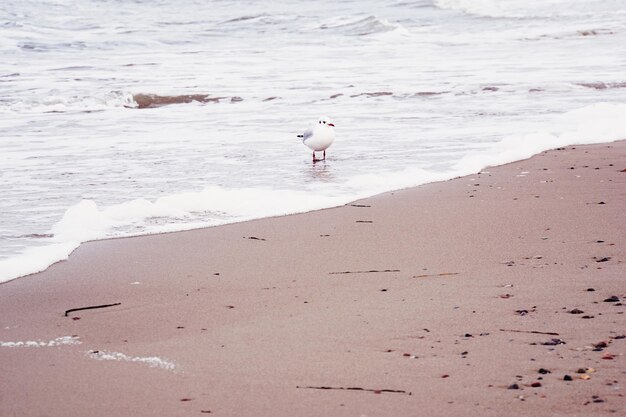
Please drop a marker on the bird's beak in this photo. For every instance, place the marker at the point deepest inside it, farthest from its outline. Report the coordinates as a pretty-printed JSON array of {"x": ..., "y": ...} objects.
[{"x": 330, "y": 124}]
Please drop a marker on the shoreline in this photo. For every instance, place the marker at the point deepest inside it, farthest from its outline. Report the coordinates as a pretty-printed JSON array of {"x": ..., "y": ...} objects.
[
  {"x": 434, "y": 290},
  {"x": 434, "y": 178}
]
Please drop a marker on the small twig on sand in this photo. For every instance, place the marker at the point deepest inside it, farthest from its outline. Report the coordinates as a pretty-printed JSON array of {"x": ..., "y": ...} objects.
[
  {"x": 529, "y": 331},
  {"x": 364, "y": 272},
  {"x": 359, "y": 205},
  {"x": 376, "y": 391},
  {"x": 443, "y": 274},
  {"x": 90, "y": 308}
]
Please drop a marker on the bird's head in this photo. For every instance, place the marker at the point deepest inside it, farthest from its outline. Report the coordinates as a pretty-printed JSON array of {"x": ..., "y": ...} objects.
[{"x": 325, "y": 120}]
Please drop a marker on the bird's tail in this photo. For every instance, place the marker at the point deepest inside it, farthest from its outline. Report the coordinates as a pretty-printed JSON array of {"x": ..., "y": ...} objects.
[{"x": 300, "y": 136}]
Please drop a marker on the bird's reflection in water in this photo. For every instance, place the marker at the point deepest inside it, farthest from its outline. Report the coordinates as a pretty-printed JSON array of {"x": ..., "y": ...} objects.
[{"x": 320, "y": 171}]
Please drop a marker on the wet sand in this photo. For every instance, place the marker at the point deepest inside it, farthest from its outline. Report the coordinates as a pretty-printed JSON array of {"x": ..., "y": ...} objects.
[{"x": 501, "y": 293}]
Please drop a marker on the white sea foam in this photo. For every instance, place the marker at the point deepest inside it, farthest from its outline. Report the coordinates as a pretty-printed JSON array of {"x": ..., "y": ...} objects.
[
  {"x": 59, "y": 341},
  {"x": 59, "y": 102},
  {"x": 362, "y": 26},
  {"x": 151, "y": 361},
  {"x": 598, "y": 123},
  {"x": 35, "y": 259},
  {"x": 489, "y": 8},
  {"x": 524, "y": 9},
  {"x": 86, "y": 221}
]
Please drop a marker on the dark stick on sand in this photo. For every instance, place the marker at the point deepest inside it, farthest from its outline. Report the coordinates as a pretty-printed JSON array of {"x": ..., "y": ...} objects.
[
  {"x": 90, "y": 308},
  {"x": 364, "y": 272},
  {"x": 443, "y": 274},
  {"x": 376, "y": 391},
  {"x": 529, "y": 331}
]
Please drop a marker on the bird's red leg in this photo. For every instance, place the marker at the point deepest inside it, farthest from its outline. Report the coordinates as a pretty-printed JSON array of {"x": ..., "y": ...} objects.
[
  {"x": 324, "y": 154},
  {"x": 313, "y": 156}
]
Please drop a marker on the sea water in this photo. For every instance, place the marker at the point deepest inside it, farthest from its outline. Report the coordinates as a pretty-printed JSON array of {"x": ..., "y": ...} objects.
[{"x": 122, "y": 117}]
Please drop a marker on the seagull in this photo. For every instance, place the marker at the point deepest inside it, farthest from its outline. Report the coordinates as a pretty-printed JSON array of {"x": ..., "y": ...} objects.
[{"x": 319, "y": 137}]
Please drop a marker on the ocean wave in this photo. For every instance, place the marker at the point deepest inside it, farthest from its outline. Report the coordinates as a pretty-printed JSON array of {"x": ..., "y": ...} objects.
[
  {"x": 144, "y": 101},
  {"x": 374, "y": 94},
  {"x": 479, "y": 8},
  {"x": 598, "y": 85},
  {"x": 596, "y": 123},
  {"x": 258, "y": 22},
  {"x": 462, "y": 90},
  {"x": 361, "y": 27},
  {"x": 32, "y": 46},
  {"x": 57, "y": 102},
  {"x": 245, "y": 18},
  {"x": 520, "y": 9},
  {"x": 571, "y": 34},
  {"x": 595, "y": 32},
  {"x": 151, "y": 361}
]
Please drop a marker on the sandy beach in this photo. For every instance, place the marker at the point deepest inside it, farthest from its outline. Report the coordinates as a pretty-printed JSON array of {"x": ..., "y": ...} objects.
[{"x": 500, "y": 293}]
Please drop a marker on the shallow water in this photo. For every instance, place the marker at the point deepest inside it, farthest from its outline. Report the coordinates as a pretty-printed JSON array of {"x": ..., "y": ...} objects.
[{"x": 418, "y": 91}]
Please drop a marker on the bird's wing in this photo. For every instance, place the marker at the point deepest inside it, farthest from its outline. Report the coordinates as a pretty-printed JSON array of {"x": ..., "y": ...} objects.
[{"x": 307, "y": 134}]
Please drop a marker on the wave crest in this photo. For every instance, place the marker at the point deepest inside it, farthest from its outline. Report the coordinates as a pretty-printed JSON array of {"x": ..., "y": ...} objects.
[
  {"x": 365, "y": 26},
  {"x": 144, "y": 101},
  {"x": 517, "y": 9},
  {"x": 55, "y": 102},
  {"x": 599, "y": 85}
]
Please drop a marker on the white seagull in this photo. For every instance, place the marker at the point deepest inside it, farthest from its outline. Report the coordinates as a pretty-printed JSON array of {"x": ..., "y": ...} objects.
[{"x": 319, "y": 137}]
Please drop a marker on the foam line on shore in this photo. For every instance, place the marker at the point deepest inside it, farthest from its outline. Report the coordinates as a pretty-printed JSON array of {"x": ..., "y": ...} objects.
[{"x": 86, "y": 221}]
